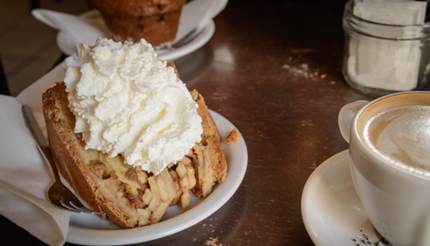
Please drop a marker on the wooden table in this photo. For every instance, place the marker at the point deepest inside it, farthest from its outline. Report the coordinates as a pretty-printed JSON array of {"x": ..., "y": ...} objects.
[{"x": 274, "y": 70}]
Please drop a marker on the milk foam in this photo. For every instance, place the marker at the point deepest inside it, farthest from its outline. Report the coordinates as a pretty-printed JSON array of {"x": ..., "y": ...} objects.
[{"x": 402, "y": 134}]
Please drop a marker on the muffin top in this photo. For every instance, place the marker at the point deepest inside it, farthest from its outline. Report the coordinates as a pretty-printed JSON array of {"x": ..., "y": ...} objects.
[{"x": 137, "y": 7}]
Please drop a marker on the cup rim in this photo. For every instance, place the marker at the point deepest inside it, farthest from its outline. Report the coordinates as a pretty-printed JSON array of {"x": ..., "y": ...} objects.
[{"x": 409, "y": 170}]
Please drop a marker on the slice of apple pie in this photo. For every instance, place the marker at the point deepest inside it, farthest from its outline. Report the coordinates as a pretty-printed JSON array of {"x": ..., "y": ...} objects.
[{"x": 127, "y": 195}]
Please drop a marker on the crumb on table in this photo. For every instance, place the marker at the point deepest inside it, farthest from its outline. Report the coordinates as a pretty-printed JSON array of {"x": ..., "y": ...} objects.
[
  {"x": 213, "y": 241},
  {"x": 231, "y": 137}
]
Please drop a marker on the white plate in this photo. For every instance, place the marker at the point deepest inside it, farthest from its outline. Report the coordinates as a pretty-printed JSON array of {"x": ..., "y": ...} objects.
[
  {"x": 67, "y": 45},
  {"x": 91, "y": 230},
  {"x": 332, "y": 212}
]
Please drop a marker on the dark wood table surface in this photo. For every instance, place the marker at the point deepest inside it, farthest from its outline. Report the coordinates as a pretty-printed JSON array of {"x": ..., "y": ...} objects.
[{"x": 273, "y": 68}]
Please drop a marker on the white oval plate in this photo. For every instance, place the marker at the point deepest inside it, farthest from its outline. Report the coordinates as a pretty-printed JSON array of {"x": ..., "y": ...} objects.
[
  {"x": 332, "y": 212},
  {"x": 91, "y": 230},
  {"x": 67, "y": 44}
]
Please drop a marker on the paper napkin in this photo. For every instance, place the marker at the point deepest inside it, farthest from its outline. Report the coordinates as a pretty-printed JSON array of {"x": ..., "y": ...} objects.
[{"x": 24, "y": 177}]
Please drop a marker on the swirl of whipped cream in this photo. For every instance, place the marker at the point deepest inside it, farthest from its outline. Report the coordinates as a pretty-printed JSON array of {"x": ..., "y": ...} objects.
[{"x": 126, "y": 101}]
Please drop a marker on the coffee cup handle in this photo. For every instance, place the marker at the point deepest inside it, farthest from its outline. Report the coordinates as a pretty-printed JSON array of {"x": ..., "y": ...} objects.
[{"x": 346, "y": 116}]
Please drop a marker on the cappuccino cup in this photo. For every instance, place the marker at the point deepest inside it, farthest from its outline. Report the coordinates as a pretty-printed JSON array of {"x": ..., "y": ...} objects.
[{"x": 389, "y": 144}]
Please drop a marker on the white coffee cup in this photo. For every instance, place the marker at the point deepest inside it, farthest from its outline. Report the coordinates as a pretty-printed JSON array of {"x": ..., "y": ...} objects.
[{"x": 395, "y": 197}]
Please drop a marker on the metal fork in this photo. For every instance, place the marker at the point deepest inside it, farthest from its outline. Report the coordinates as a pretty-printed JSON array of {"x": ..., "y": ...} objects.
[
  {"x": 190, "y": 36},
  {"x": 185, "y": 39},
  {"x": 58, "y": 193}
]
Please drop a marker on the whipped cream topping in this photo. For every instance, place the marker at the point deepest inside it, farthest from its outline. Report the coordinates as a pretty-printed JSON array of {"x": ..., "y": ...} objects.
[{"x": 128, "y": 102}]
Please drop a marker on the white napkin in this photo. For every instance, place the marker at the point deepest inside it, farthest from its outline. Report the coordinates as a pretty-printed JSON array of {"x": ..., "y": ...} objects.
[
  {"x": 196, "y": 14},
  {"x": 83, "y": 29},
  {"x": 393, "y": 12},
  {"x": 24, "y": 177}
]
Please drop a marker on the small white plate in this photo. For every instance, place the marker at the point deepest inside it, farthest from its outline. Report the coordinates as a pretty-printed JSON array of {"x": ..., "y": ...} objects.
[
  {"x": 332, "y": 212},
  {"x": 67, "y": 44},
  {"x": 92, "y": 230}
]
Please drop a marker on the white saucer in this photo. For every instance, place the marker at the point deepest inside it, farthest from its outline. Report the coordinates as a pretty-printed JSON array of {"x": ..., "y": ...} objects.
[
  {"x": 91, "y": 230},
  {"x": 332, "y": 213},
  {"x": 67, "y": 44}
]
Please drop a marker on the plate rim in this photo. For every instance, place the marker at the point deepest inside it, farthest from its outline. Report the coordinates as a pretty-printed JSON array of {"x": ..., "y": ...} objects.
[
  {"x": 210, "y": 205},
  {"x": 308, "y": 185},
  {"x": 200, "y": 40}
]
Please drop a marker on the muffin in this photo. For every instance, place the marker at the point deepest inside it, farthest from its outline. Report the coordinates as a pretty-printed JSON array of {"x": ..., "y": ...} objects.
[{"x": 154, "y": 20}]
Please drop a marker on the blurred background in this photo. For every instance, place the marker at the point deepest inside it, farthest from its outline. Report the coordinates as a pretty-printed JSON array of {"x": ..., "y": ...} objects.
[{"x": 28, "y": 48}]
